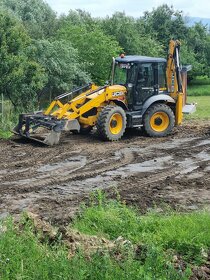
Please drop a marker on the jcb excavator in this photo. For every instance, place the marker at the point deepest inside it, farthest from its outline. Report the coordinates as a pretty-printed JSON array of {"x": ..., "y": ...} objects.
[{"x": 143, "y": 92}]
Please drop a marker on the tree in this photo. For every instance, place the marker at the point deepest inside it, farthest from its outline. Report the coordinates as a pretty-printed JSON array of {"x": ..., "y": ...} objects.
[
  {"x": 60, "y": 61},
  {"x": 20, "y": 77},
  {"x": 164, "y": 23},
  {"x": 36, "y": 15},
  {"x": 78, "y": 18},
  {"x": 95, "y": 49},
  {"x": 189, "y": 57},
  {"x": 131, "y": 35},
  {"x": 198, "y": 43}
]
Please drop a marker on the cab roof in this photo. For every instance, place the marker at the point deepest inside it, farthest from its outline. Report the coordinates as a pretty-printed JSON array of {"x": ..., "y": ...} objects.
[{"x": 138, "y": 59}]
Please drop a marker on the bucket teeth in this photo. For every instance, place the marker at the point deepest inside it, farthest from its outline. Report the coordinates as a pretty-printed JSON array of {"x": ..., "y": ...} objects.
[
  {"x": 41, "y": 128},
  {"x": 52, "y": 138},
  {"x": 44, "y": 129}
]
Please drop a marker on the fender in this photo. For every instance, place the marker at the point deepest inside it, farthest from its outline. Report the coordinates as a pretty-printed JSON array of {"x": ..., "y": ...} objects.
[
  {"x": 120, "y": 103},
  {"x": 156, "y": 98}
]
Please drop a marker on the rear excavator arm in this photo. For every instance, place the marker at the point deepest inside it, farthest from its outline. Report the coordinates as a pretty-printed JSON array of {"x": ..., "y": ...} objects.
[{"x": 173, "y": 77}]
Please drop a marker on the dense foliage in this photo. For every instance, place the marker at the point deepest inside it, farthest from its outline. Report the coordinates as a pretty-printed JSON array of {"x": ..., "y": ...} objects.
[{"x": 43, "y": 54}]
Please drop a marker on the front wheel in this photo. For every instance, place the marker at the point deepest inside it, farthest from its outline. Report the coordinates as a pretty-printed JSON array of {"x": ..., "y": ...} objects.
[
  {"x": 111, "y": 123},
  {"x": 159, "y": 120}
]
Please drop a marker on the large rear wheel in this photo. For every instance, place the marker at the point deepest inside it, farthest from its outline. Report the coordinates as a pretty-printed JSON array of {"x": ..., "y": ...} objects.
[
  {"x": 111, "y": 123},
  {"x": 159, "y": 120}
]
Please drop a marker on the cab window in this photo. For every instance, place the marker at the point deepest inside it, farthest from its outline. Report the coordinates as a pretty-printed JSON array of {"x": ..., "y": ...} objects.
[{"x": 162, "y": 76}]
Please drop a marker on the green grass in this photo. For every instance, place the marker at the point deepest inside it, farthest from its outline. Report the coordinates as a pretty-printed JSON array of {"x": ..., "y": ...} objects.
[
  {"x": 202, "y": 107},
  {"x": 200, "y": 80},
  {"x": 187, "y": 234},
  {"x": 23, "y": 256},
  {"x": 158, "y": 236},
  {"x": 5, "y": 134},
  {"x": 200, "y": 86},
  {"x": 7, "y": 120},
  {"x": 198, "y": 90}
]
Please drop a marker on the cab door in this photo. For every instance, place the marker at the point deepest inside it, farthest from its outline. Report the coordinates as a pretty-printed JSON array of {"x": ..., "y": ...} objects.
[{"x": 146, "y": 83}]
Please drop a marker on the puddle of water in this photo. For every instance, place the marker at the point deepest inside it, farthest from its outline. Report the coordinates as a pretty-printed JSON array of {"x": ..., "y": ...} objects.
[
  {"x": 195, "y": 175},
  {"x": 190, "y": 164},
  {"x": 207, "y": 168},
  {"x": 85, "y": 185},
  {"x": 72, "y": 164},
  {"x": 204, "y": 142},
  {"x": 187, "y": 165},
  {"x": 146, "y": 166},
  {"x": 173, "y": 144},
  {"x": 188, "y": 169},
  {"x": 203, "y": 156},
  {"x": 20, "y": 154}
]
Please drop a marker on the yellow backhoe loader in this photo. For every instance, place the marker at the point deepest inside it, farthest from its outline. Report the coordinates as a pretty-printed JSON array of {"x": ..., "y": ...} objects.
[{"x": 143, "y": 92}]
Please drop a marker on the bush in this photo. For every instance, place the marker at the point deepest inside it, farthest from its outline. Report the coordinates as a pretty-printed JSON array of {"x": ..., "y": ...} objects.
[
  {"x": 7, "y": 120},
  {"x": 187, "y": 234},
  {"x": 23, "y": 256}
]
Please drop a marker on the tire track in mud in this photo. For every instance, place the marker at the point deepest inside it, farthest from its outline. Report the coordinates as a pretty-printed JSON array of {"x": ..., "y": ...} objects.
[
  {"x": 38, "y": 183},
  {"x": 25, "y": 157},
  {"x": 127, "y": 156},
  {"x": 56, "y": 192}
]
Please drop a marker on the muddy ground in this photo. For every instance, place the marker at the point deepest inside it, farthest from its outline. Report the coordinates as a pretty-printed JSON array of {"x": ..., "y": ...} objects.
[{"x": 53, "y": 181}]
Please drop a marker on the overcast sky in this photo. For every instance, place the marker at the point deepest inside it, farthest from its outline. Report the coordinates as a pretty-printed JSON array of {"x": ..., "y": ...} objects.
[{"x": 194, "y": 8}]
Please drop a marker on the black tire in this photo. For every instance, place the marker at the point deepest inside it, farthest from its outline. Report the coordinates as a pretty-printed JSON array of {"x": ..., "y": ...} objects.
[
  {"x": 111, "y": 123},
  {"x": 159, "y": 120},
  {"x": 83, "y": 130}
]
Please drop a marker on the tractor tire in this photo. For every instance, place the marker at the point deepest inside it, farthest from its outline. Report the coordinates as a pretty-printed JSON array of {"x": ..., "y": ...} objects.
[
  {"x": 159, "y": 120},
  {"x": 84, "y": 130},
  {"x": 111, "y": 123}
]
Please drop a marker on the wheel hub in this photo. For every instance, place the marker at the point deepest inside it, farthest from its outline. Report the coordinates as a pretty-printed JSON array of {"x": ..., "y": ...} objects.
[
  {"x": 113, "y": 123},
  {"x": 116, "y": 123},
  {"x": 158, "y": 121}
]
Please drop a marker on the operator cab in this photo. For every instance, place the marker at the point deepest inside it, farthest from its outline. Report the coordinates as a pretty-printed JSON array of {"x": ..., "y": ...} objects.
[{"x": 142, "y": 76}]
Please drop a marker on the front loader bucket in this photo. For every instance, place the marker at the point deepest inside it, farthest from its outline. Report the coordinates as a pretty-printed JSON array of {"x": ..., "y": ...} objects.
[
  {"x": 42, "y": 128},
  {"x": 49, "y": 138}
]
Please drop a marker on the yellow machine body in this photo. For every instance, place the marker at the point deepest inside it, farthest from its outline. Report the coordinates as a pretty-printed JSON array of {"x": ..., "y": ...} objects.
[
  {"x": 112, "y": 108},
  {"x": 86, "y": 101}
]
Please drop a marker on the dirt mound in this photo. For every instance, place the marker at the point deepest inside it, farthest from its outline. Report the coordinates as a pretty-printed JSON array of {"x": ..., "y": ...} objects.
[
  {"x": 89, "y": 244},
  {"x": 73, "y": 239}
]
